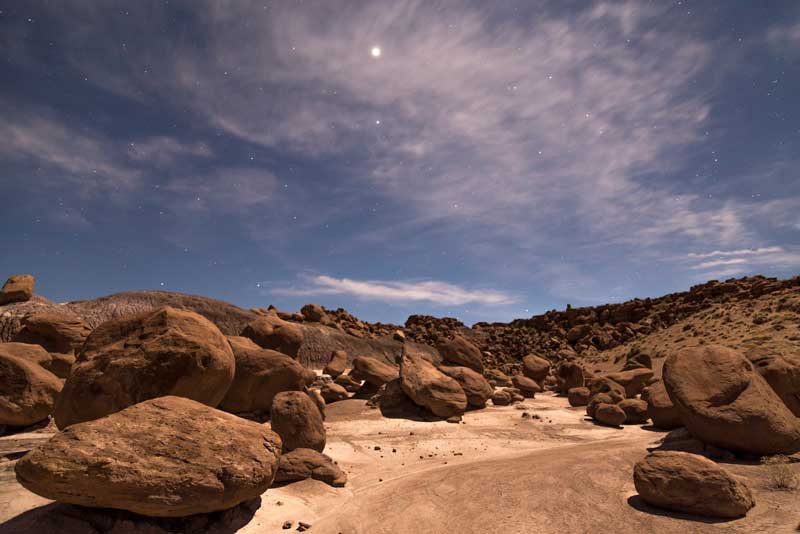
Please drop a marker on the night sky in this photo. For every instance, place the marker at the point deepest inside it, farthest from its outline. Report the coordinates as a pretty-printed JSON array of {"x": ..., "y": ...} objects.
[{"x": 451, "y": 158}]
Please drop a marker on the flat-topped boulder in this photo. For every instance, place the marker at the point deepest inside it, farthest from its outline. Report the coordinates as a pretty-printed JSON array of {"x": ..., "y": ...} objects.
[
  {"x": 633, "y": 380},
  {"x": 165, "y": 457},
  {"x": 154, "y": 354},
  {"x": 18, "y": 288},
  {"x": 301, "y": 464},
  {"x": 337, "y": 364},
  {"x": 373, "y": 371},
  {"x": 56, "y": 332},
  {"x": 723, "y": 401}
]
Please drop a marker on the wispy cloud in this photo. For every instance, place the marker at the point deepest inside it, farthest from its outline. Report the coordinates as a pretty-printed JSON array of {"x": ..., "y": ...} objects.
[
  {"x": 743, "y": 261},
  {"x": 431, "y": 291}
]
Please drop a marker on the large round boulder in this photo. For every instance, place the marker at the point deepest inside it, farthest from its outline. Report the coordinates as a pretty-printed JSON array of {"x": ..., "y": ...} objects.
[
  {"x": 609, "y": 414},
  {"x": 569, "y": 375},
  {"x": 459, "y": 351},
  {"x": 27, "y": 390},
  {"x": 724, "y": 402},
  {"x": 55, "y": 332},
  {"x": 527, "y": 386},
  {"x": 271, "y": 332},
  {"x": 430, "y": 388},
  {"x": 535, "y": 367},
  {"x": 154, "y": 354},
  {"x": 298, "y": 421},
  {"x": 373, "y": 371},
  {"x": 635, "y": 411},
  {"x": 260, "y": 375},
  {"x": 165, "y": 457},
  {"x": 18, "y": 288},
  {"x": 578, "y": 396},
  {"x": 301, "y": 464},
  {"x": 692, "y": 484},
  {"x": 660, "y": 409},
  {"x": 476, "y": 387}
]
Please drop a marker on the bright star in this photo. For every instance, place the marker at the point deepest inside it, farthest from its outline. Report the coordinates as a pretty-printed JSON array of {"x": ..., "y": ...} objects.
[{"x": 376, "y": 52}]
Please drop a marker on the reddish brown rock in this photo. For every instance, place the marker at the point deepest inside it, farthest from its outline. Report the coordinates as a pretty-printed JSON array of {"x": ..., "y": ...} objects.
[
  {"x": 55, "y": 332},
  {"x": 527, "y": 386},
  {"x": 597, "y": 400},
  {"x": 155, "y": 354},
  {"x": 605, "y": 385},
  {"x": 27, "y": 390},
  {"x": 459, "y": 351},
  {"x": 609, "y": 414},
  {"x": 301, "y": 464},
  {"x": 633, "y": 381},
  {"x": 692, "y": 484},
  {"x": 333, "y": 392},
  {"x": 535, "y": 367},
  {"x": 635, "y": 411},
  {"x": 578, "y": 396},
  {"x": 430, "y": 388},
  {"x": 374, "y": 371},
  {"x": 17, "y": 288},
  {"x": 337, "y": 364},
  {"x": 724, "y": 402},
  {"x": 499, "y": 377},
  {"x": 298, "y": 421},
  {"x": 260, "y": 375},
  {"x": 165, "y": 457},
  {"x": 314, "y": 313},
  {"x": 476, "y": 388},
  {"x": 348, "y": 382},
  {"x": 660, "y": 409},
  {"x": 271, "y": 332},
  {"x": 56, "y": 363},
  {"x": 780, "y": 367},
  {"x": 502, "y": 398},
  {"x": 569, "y": 375},
  {"x": 394, "y": 402}
]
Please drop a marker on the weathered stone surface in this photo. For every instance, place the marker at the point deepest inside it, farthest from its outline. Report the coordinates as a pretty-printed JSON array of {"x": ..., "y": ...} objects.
[
  {"x": 298, "y": 421},
  {"x": 166, "y": 457},
  {"x": 430, "y": 388},
  {"x": 500, "y": 378},
  {"x": 597, "y": 400},
  {"x": 633, "y": 380},
  {"x": 271, "y": 332},
  {"x": 348, "y": 382},
  {"x": 333, "y": 392},
  {"x": 535, "y": 367},
  {"x": 459, "y": 351},
  {"x": 394, "y": 402},
  {"x": 260, "y": 375},
  {"x": 569, "y": 375},
  {"x": 692, "y": 484},
  {"x": 155, "y": 354},
  {"x": 609, "y": 414},
  {"x": 337, "y": 365},
  {"x": 57, "y": 363},
  {"x": 27, "y": 390},
  {"x": 17, "y": 288},
  {"x": 476, "y": 388},
  {"x": 780, "y": 367},
  {"x": 502, "y": 398},
  {"x": 314, "y": 313},
  {"x": 578, "y": 396},
  {"x": 301, "y": 464},
  {"x": 635, "y": 411},
  {"x": 374, "y": 371},
  {"x": 723, "y": 401},
  {"x": 59, "y": 333},
  {"x": 605, "y": 385},
  {"x": 660, "y": 409},
  {"x": 527, "y": 386}
]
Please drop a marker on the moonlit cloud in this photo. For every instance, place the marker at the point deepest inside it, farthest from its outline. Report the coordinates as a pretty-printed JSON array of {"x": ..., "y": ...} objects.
[{"x": 431, "y": 291}]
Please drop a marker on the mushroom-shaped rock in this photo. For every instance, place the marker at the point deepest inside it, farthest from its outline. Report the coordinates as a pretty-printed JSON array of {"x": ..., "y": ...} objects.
[
  {"x": 430, "y": 388},
  {"x": 337, "y": 364},
  {"x": 271, "y": 332},
  {"x": 633, "y": 380},
  {"x": 374, "y": 371},
  {"x": 459, "y": 351},
  {"x": 302, "y": 463},
  {"x": 689, "y": 483},
  {"x": 535, "y": 367},
  {"x": 260, "y": 375},
  {"x": 165, "y": 457},
  {"x": 333, "y": 392},
  {"x": 578, "y": 396},
  {"x": 635, "y": 411},
  {"x": 154, "y": 354},
  {"x": 298, "y": 421},
  {"x": 527, "y": 386},
  {"x": 724, "y": 402},
  {"x": 55, "y": 332},
  {"x": 28, "y": 391},
  {"x": 609, "y": 414},
  {"x": 17, "y": 288},
  {"x": 476, "y": 387},
  {"x": 660, "y": 409}
]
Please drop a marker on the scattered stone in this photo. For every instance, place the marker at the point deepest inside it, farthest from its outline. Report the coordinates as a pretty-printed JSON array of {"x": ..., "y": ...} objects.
[
  {"x": 28, "y": 391},
  {"x": 459, "y": 351},
  {"x": 724, "y": 402},
  {"x": 606, "y": 385},
  {"x": 597, "y": 400},
  {"x": 569, "y": 375},
  {"x": 302, "y": 527},
  {"x": 337, "y": 365},
  {"x": 297, "y": 420},
  {"x": 272, "y": 332},
  {"x": 287, "y": 525},
  {"x": 578, "y": 396},
  {"x": 303, "y": 463},
  {"x": 638, "y": 360},
  {"x": 154, "y": 354},
  {"x": 688, "y": 483},
  {"x": 18, "y": 288},
  {"x": 430, "y": 388},
  {"x": 165, "y": 457}
]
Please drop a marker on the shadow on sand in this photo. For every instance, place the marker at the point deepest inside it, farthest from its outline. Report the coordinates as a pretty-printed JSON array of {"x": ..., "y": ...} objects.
[
  {"x": 70, "y": 519},
  {"x": 636, "y": 502}
]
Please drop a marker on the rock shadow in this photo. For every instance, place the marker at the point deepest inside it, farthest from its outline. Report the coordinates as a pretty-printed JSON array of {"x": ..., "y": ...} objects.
[{"x": 637, "y": 503}]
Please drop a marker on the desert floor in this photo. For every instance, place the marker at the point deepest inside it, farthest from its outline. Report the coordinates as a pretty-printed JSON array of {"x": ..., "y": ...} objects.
[{"x": 500, "y": 470}]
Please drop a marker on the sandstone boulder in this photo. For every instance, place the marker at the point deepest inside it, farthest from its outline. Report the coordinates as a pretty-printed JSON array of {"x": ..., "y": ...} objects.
[
  {"x": 337, "y": 364},
  {"x": 166, "y": 457},
  {"x": 609, "y": 414},
  {"x": 597, "y": 400},
  {"x": 633, "y": 381},
  {"x": 18, "y": 288},
  {"x": 535, "y": 367},
  {"x": 692, "y": 484},
  {"x": 271, "y": 332},
  {"x": 27, "y": 390},
  {"x": 348, "y": 382},
  {"x": 373, "y": 371},
  {"x": 781, "y": 370},
  {"x": 500, "y": 378},
  {"x": 314, "y": 313},
  {"x": 476, "y": 387},
  {"x": 638, "y": 360},
  {"x": 301, "y": 464},
  {"x": 606, "y": 385},
  {"x": 154, "y": 354},
  {"x": 57, "y": 363},
  {"x": 55, "y": 332},
  {"x": 394, "y": 402},
  {"x": 333, "y": 392},
  {"x": 724, "y": 402},
  {"x": 502, "y": 398},
  {"x": 527, "y": 386},
  {"x": 430, "y": 388},
  {"x": 660, "y": 409},
  {"x": 578, "y": 396},
  {"x": 260, "y": 375},
  {"x": 298, "y": 421},
  {"x": 459, "y": 351},
  {"x": 569, "y": 375},
  {"x": 635, "y": 411}
]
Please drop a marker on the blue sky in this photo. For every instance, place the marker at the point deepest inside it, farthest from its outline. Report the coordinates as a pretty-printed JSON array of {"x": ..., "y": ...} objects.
[{"x": 491, "y": 162}]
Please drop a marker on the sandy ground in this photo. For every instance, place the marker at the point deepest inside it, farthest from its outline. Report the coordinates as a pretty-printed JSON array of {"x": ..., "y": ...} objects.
[{"x": 497, "y": 471}]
